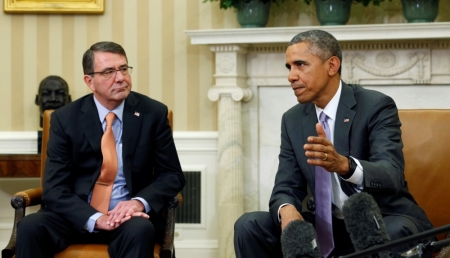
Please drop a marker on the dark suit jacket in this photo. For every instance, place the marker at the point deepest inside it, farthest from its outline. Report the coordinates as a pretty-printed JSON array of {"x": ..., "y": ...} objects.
[
  {"x": 150, "y": 161},
  {"x": 372, "y": 135}
]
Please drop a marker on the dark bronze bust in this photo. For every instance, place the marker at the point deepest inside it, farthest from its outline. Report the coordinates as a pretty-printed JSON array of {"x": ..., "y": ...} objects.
[{"x": 53, "y": 93}]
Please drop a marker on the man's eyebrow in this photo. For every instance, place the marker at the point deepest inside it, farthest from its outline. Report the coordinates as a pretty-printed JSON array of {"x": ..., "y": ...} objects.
[
  {"x": 113, "y": 68},
  {"x": 299, "y": 62}
]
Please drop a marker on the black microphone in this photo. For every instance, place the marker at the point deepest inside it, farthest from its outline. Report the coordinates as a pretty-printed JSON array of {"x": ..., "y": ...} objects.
[
  {"x": 425, "y": 249},
  {"x": 299, "y": 239},
  {"x": 428, "y": 247},
  {"x": 364, "y": 223}
]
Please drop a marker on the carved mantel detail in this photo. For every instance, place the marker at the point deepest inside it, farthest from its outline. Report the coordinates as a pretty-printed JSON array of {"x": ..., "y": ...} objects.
[{"x": 413, "y": 65}]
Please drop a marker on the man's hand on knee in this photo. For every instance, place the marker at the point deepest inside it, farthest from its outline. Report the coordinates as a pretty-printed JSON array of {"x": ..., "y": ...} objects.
[
  {"x": 124, "y": 211},
  {"x": 102, "y": 223}
]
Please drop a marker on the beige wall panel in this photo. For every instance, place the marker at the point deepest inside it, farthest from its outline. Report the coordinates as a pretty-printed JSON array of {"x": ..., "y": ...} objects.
[
  {"x": 179, "y": 71},
  {"x": 55, "y": 45},
  {"x": 6, "y": 73},
  {"x": 117, "y": 21},
  {"x": 141, "y": 75},
  {"x": 155, "y": 31},
  {"x": 206, "y": 69},
  {"x": 92, "y": 29},
  {"x": 30, "y": 67},
  {"x": 42, "y": 61},
  {"x": 69, "y": 59},
  {"x": 130, "y": 38},
  {"x": 230, "y": 20},
  {"x": 192, "y": 81},
  {"x": 168, "y": 67},
  {"x": 17, "y": 73},
  {"x": 168, "y": 54},
  {"x": 79, "y": 88},
  {"x": 206, "y": 81},
  {"x": 217, "y": 16},
  {"x": 106, "y": 26}
]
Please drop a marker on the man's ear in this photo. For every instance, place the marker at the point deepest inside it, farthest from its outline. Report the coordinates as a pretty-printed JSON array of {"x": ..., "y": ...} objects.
[
  {"x": 36, "y": 100},
  {"x": 88, "y": 80},
  {"x": 335, "y": 64}
]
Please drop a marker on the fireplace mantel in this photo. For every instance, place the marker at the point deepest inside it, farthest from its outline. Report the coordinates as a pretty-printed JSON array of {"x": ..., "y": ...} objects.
[{"x": 372, "y": 32}]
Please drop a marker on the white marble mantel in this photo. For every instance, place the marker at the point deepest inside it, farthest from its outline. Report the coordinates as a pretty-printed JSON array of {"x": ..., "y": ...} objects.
[
  {"x": 409, "y": 62},
  {"x": 371, "y": 32}
]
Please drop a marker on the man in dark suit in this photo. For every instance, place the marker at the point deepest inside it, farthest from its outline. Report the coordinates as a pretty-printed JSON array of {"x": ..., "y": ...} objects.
[
  {"x": 363, "y": 152},
  {"x": 148, "y": 169}
]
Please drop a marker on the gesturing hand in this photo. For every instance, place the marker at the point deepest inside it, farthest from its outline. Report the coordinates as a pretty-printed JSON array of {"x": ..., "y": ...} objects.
[{"x": 321, "y": 152}]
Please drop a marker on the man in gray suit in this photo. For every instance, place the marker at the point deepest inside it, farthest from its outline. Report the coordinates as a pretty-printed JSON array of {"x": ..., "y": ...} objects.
[{"x": 362, "y": 153}]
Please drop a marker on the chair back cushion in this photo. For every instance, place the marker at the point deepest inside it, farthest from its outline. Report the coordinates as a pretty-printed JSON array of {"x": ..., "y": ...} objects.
[
  {"x": 426, "y": 139},
  {"x": 45, "y": 136}
]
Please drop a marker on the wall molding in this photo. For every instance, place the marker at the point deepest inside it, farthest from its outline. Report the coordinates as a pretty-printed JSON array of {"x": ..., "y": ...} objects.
[
  {"x": 371, "y": 32},
  {"x": 26, "y": 142},
  {"x": 18, "y": 142},
  {"x": 196, "y": 244}
]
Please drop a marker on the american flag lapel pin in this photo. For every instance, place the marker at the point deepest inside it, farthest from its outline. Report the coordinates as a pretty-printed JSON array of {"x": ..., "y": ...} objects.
[
  {"x": 346, "y": 120},
  {"x": 136, "y": 113}
]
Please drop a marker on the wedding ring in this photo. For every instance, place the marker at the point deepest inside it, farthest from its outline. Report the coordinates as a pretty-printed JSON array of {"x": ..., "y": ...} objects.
[{"x": 325, "y": 158}]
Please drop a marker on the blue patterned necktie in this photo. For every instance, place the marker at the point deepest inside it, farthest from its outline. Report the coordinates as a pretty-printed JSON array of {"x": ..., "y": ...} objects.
[{"x": 323, "y": 189}]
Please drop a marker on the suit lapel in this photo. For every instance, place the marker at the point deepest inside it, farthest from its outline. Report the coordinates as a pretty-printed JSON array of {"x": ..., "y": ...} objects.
[
  {"x": 89, "y": 117},
  {"x": 132, "y": 124},
  {"x": 92, "y": 129},
  {"x": 344, "y": 119},
  {"x": 309, "y": 129}
]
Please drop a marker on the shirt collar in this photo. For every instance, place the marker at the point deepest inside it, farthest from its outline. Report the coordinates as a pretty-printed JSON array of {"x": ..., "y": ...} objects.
[
  {"x": 331, "y": 109},
  {"x": 102, "y": 111}
]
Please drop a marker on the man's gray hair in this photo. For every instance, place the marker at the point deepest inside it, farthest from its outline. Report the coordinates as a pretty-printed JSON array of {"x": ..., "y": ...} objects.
[{"x": 103, "y": 46}]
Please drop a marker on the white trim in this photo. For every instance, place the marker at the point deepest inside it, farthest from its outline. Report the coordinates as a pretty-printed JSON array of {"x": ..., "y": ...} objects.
[
  {"x": 196, "y": 244},
  {"x": 196, "y": 141},
  {"x": 26, "y": 142},
  {"x": 376, "y": 32},
  {"x": 18, "y": 142}
]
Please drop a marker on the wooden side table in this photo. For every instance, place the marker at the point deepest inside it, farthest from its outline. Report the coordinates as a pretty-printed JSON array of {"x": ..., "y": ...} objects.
[{"x": 20, "y": 165}]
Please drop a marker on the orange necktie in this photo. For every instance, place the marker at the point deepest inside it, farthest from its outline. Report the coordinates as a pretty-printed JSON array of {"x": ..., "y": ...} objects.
[{"x": 101, "y": 195}]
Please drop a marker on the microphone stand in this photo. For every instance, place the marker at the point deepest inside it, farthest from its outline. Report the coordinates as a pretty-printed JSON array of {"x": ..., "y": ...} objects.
[{"x": 402, "y": 241}]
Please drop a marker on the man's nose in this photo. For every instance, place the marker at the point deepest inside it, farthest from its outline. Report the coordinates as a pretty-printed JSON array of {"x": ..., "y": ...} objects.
[
  {"x": 292, "y": 77},
  {"x": 118, "y": 76}
]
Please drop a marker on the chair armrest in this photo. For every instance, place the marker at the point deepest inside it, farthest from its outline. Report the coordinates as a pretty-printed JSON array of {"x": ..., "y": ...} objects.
[
  {"x": 167, "y": 249},
  {"x": 19, "y": 202},
  {"x": 29, "y": 197}
]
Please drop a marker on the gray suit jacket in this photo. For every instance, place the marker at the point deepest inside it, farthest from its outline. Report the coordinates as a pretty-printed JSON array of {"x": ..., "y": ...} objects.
[
  {"x": 150, "y": 161},
  {"x": 370, "y": 133}
]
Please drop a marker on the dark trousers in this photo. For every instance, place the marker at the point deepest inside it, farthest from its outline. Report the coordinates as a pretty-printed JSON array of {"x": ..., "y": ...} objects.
[
  {"x": 257, "y": 235},
  {"x": 45, "y": 233}
]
